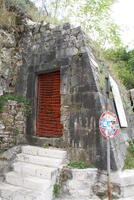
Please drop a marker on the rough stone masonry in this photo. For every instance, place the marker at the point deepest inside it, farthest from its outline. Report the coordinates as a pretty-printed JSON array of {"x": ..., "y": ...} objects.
[
  {"x": 46, "y": 49},
  {"x": 12, "y": 119}
]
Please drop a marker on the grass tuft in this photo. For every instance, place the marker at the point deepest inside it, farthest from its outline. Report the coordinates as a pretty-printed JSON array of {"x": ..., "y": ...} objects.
[
  {"x": 78, "y": 164},
  {"x": 57, "y": 190}
]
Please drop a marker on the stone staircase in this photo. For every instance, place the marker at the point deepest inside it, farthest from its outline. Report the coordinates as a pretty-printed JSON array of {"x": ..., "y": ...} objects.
[{"x": 34, "y": 174}]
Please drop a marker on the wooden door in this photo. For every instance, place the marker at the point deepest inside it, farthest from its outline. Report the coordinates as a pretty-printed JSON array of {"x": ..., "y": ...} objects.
[{"x": 48, "y": 120}]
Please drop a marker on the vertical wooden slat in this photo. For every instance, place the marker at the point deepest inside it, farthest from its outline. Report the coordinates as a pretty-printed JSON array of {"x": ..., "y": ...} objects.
[{"x": 48, "y": 122}]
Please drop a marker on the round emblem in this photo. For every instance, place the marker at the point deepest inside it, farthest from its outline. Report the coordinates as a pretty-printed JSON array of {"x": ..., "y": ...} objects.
[{"x": 109, "y": 124}]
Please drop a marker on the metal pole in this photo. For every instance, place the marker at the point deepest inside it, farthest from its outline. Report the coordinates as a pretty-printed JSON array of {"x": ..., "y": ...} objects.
[
  {"x": 107, "y": 90},
  {"x": 108, "y": 170}
]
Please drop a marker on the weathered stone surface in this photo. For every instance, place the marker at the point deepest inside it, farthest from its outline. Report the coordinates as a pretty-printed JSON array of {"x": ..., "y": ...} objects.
[
  {"x": 12, "y": 124},
  {"x": 10, "y": 61},
  {"x": 82, "y": 102},
  {"x": 29, "y": 176},
  {"x": 132, "y": 97},
  {"x": 6, "y": 159},
  {"x": 44, "y": 49},
  {"x": 90, "y": 183}
]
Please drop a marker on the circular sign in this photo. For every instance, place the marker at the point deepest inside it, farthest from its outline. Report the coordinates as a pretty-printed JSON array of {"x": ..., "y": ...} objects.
[{"x": 109, "y": 124}]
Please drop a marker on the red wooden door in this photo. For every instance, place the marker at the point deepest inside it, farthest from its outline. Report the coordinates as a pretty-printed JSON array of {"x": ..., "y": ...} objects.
[{"x": 48, "y": 121}]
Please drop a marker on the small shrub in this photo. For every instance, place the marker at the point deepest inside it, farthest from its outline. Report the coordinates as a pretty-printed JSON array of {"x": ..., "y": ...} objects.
[
  {"x": 46, "y": 145},
  {"x": 18, "y": 99},
  {"x": 123, "y": 65},
  {"x": 1, "y": 105},
  {"x": 129, "y": 162},
  {"x": 15, "y": 132},
  {"x": 78, "y": 164},
  {"x": 57, "y": 190},
  {"x": 7, "y": 19}
]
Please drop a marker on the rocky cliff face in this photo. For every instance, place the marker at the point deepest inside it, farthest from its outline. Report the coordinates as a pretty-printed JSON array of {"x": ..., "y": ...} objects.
[
  {"x": 12, "y": 111},
  {"x": 10, "y": 61}
]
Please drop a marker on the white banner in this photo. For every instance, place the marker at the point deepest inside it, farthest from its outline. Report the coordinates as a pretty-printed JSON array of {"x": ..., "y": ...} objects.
[{"x": 118, "y": 103}]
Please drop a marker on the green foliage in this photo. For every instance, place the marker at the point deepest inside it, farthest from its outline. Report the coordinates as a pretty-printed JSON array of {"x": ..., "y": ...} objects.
[
  {"x": 78, "y": 164},
  {"x": 16, "y": 132},
  {"x": 18, "y": 99},
  {"x": 92, "y": 15},
  {"x": 57, "y": 190},
  {"x": 124, "y": 65},
  {"x": 46, "y": 145},
  {"x": 1, "y": 105},
  {"x": 129, "y": 162}
]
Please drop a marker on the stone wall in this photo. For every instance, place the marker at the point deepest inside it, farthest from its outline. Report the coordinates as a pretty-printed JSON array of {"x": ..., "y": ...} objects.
[
  {"x": 43, "y": 49},
  {"x": 12, "y": 119},
  {"x": 7, "y": 159},
  {"x": 63, "y": 48},
  {"x": 46, "y": 49},
  {"x": 12, "y": 124},
  {"x": 10, "y": 60},
  {"x": 78, "y": 184},
  {"x": 90, "y": 183}
]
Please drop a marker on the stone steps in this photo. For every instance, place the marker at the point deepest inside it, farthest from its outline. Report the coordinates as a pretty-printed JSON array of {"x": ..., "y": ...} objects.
[
  {"x": 27, "y": 181},
  {"x": 39, "y": 160},
  {"x": 29, "y": 169},
  {"x": 34, "y": 174},
  {"x": 38, "y": 151},
  {"x": 9, "y": 192}
]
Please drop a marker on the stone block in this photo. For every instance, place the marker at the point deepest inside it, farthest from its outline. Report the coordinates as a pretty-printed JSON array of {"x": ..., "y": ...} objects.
[
  {"x": 76, "y": 80},
  {"x": 35, "y": 170},
  {"x": 66, "y": 26},
  {"x": 27, "y": 182},
  {"x": 66, "y": 52},
  {"x": 2, "y": 126},
  {"x": 91, "y": 100},
  {"x": 88, "y": 174},
  {"x": 19, "y": 116},
  {"x": 76, "y": 31},
  {"x": 39, "y": 160},
  {"x": 65, "y": 80},
  {"x": 12, "y": 103},
  {"x": 53, "y": 153},
  {"x": 8, "y": 120}
]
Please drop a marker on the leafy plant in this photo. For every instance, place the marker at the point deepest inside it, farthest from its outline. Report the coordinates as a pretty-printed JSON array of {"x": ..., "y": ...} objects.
[
  {"x": 129, "y": 162},
  {"x": 46, "y": 145},
  {"x": 18, "y": 99},
  {"x": 57, "y": 190},
  {"x": 78, "y": 164},
  {"x": 92, "y": 15},
  {"x": 123, "y": 61},
  {"x": 1, "y": 105},
  {"x": 13, "y": 142}
]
